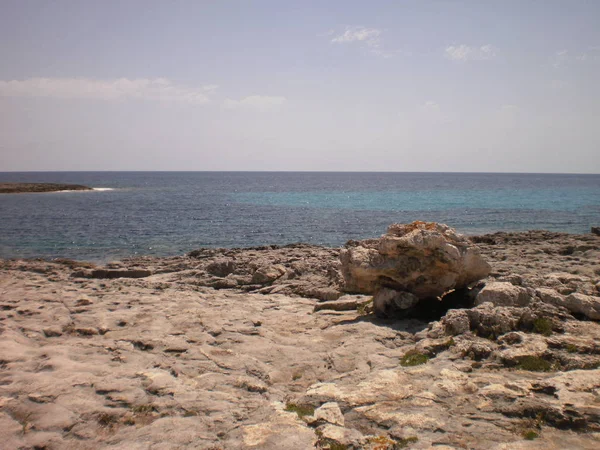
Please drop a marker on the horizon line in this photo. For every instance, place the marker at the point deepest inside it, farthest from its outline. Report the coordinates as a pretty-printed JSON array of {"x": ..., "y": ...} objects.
[{"x": 298, "y": 171}]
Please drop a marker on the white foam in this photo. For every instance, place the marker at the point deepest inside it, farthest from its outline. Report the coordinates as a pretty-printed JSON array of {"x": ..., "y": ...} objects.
[{"x": 103, "y": 189}]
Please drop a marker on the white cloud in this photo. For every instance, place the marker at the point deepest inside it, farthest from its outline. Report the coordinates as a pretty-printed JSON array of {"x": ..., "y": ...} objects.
[
  {"x": 369, "y": 37},
  {"x": 430, "y": 105},
  {"x": 560, "y": 58},
  {"x": 592, "y": 54},
  {"x": 158, "y": 89},
  {"x": 464, "y": 52},
  {"x": 261, "y": 103}
]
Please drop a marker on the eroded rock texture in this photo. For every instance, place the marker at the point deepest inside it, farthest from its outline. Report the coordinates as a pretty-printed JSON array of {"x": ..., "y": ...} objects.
[
  {"x": 237, "y": 349},
  {"x": 425, "y": 259},
  {"x": 411, "y": 262}
]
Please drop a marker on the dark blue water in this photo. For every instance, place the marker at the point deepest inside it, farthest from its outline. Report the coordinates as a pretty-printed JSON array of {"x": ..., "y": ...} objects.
[{"x": 170, "y": 213}]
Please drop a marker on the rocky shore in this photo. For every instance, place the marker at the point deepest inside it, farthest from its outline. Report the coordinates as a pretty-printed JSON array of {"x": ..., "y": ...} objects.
[
  {"x": 419, "y": 339},
  {"x": 20, "y": 188}
]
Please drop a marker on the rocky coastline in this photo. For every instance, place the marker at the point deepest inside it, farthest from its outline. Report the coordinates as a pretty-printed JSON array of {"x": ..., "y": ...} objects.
[
  {"x": 21, "y": 188},
  {"x": 422, "y": 338}
]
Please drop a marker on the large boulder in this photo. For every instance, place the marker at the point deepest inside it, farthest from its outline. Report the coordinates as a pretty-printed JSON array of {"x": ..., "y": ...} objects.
[{"x": 426, "y": 259}]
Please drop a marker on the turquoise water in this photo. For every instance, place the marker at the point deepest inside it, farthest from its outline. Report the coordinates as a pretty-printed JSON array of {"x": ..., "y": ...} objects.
[
  {"x": 170, "y": 213},
  {"x": 551, "y": 199}
]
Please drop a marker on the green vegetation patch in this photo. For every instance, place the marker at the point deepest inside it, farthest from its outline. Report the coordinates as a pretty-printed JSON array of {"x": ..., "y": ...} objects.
[
  {"x": 530, "y": 435},
  {"x": 534, "y": 364},
  {"x": 413, "y": 358},
  {"x": 542, "y": 326},
  {"x": 145, "y": 408},
  {"x": 301, "y": 410},
  {"x": 405, "y": 442},
  {"x": 571, "y": 348}
]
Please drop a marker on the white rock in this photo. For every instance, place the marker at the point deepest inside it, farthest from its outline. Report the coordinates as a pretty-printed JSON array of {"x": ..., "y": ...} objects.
[
  {"x": 425, "y": 259},
  {"x": 503, "y": 294},
  {"x": 330, "y": 412}
]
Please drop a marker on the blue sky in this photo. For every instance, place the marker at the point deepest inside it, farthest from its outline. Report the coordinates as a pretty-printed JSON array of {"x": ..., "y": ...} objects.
[{"x": 277, "y": 85}]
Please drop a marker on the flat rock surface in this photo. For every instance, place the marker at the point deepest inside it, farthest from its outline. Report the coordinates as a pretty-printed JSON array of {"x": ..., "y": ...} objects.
[
  {"x": 18, "y": 188},
  {"x": 223, "y": 349}
]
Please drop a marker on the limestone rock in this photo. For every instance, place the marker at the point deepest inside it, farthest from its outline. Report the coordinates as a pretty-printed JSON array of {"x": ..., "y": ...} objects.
[
  {"x": 345, "y": 303},
  {"x": 503, "y": 294},
  {"x": 425, "y": 259},
  {"x": 456, "y": 322},
  {"x": 221, "y": 267},
  {"x": 586, "y": 305},
  {"x": 280, "y": 432},
  {"x": 521, "y": 345},
  {"x": 268, "y": 274},
  {"x": 494, "y": 321},
  {"x": 343, "y": 437},
  {"x": 388, "y": 302},
  {"x": 550, "y": 296},
  {"x": 330, "y": 412},
  {"x": 169, "y": 362}
]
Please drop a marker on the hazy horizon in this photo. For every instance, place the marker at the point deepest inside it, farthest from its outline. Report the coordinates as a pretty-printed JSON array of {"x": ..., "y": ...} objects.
[
  {"x": 298, "y": 171},
  {"x": 268, "y": 86}
]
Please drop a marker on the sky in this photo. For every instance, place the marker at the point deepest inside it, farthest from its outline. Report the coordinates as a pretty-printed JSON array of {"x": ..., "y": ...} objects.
[{"x": 440, "y": 86}]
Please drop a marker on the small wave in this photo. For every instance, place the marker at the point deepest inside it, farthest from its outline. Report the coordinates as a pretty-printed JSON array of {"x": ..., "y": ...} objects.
[{"x": 103, "y": 189}]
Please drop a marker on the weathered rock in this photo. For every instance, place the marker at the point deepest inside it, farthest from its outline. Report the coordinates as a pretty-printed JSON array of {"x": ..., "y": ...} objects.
[
  {"x": 221, "y": 267},
  {"x": 391, "y": 303},
  {"x": 345, "y": 303},
  {"x": 456, "y": 322},
  {"x": 343, "y": 437},
  {"x": 548, "y": 295},
  {"x": 167, "y": 362},
  {"x": 329, "y": 412},
  {"x": 281, "y": 432},
  {"x": 503, "y": 294},
  {"x": 52, "y": 331},
  {"x": 488, "y": 320},
  {"x": 268, "y": 274},
  {"x": 586, "y": 305},
  {"x": 297, "y": 270},
  {"x": 425, "y": 259},
  {"x": 519, "y": 345},
  {"x": 596, "y": 231}
]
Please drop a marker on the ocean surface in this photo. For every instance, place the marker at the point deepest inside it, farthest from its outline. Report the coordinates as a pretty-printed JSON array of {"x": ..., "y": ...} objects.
[{"x": 171, "y": 213}]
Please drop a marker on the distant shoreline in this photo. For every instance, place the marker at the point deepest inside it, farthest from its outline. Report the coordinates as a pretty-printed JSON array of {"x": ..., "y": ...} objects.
[{"x": 22, "y": 188}]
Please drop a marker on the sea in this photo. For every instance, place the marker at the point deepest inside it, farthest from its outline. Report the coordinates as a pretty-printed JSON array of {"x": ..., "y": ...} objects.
[{"x": 171, "y": 213}]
